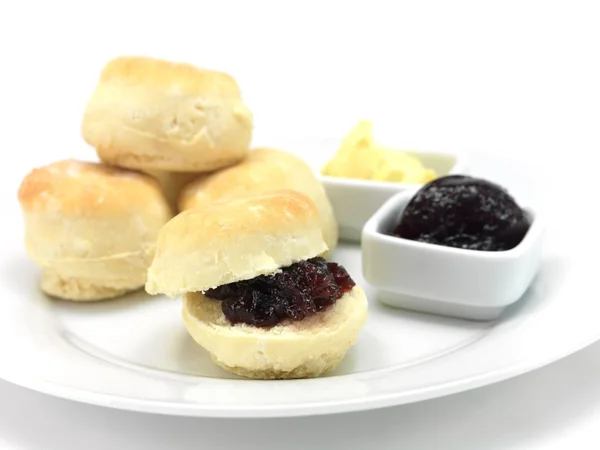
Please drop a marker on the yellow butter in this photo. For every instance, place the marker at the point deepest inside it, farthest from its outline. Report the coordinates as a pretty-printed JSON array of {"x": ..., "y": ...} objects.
[{"x": 360, "y": 157}]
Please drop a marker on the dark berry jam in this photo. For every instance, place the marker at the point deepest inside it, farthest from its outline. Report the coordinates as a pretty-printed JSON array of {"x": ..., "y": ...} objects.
[
  {"x": 298, "y": 291},
  {"x": 464, "y": 212}
]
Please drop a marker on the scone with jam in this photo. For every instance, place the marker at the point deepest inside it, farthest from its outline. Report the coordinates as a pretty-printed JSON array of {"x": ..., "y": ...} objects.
[{"x": 256, "y": 295}]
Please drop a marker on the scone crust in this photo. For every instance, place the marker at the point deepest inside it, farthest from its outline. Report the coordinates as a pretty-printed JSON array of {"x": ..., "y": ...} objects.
[
  {"x": 233, "y": 240},
  {"x": 303, "y": 349},
  {"x": 153, "y": 114},
  {"x": 155, "y": 73},
  {"x": 91, "y": 228},
  {"x": 91, "y": 286},
  {"x": 78, "y": 187},
  {"x": 263, "y": 170}
]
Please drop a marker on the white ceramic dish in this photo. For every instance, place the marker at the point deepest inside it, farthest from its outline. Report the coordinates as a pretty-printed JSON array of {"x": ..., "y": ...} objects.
[
  {"x": 134, "y": 353},
  {"x": 443, "y": 280},
  {"x": 355, "y": 201}
]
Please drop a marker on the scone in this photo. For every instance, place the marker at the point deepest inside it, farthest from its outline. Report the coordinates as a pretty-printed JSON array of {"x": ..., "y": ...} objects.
[
  {"x": 152, "y": 114},
  {"x": 256, "y": 295},
  {"x": 263, "y": 170},
  {"x": 172, "y": 184},
  {"x": 91, "y": 228}
]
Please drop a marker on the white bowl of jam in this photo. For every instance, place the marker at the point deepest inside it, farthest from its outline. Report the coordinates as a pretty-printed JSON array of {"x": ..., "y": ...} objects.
[
  {"x": 354, "y": 201},
  {"x": 459, "y": 246}
]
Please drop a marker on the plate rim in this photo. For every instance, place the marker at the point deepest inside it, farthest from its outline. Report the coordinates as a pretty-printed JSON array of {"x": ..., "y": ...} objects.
[{"x": 374, "y": 402}]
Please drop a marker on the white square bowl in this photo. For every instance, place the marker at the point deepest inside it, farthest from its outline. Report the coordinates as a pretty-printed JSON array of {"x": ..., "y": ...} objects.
[
  {"x": 468, "y": 284},
  {"x": 355, "y": 201}
]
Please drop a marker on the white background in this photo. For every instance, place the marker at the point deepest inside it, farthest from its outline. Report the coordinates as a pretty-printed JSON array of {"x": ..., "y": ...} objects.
[{"x": 518, "y": 77}]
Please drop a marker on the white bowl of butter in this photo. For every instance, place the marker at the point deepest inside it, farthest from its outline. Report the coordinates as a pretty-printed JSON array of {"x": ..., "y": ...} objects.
[{"x": 364, "y": 174}]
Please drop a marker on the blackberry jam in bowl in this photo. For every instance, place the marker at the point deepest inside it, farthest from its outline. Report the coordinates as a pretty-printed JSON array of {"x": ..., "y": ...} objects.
[{"x": 460, "y": 246}]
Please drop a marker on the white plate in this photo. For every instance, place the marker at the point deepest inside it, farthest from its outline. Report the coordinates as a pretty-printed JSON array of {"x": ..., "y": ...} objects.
[{"x": 134, "y": 353}]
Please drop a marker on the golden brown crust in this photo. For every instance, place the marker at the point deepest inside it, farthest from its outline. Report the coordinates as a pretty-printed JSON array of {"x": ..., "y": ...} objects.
[
  {"x": 76, "y": 187},
  {"x": 263, "y": 170},
  {"x": 154, "y": 72},
  {"x": 234, "y": 240},
  {"x": 152, "y": 114}
]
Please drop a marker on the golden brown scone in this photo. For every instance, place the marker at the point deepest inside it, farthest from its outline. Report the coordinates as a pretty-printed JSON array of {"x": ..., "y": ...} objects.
[
  {"x": 240, "y": 239},
  {"x": 152, "y": 114},
  {"x": 294, "y": 349},
  {"x": 264, "y": 169},
  {"x": 91, "y": 228},
  {"x": 233, "y": 240},
  {"x": 172, "y": 184}
]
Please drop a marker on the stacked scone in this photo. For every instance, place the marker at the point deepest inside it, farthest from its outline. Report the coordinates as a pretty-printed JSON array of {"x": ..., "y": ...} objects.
[
  {"x": 155, "y": 125},
  {"x": 263, "y": 170},
  {"x": 91, "y": 228},
  {"x": 170, "y": 120},
  {"x": 247, "y": 244}
]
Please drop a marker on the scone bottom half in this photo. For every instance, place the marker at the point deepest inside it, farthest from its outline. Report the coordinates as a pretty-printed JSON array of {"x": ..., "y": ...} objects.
[
  {"x": 305, "y": 348},
  {"x": 257, "y": 295},
  {"x": 91, "y": 228}
]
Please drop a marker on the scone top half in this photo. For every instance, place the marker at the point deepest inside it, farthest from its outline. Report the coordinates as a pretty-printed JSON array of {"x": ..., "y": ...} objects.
[{"x": 234, "y": 240}]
